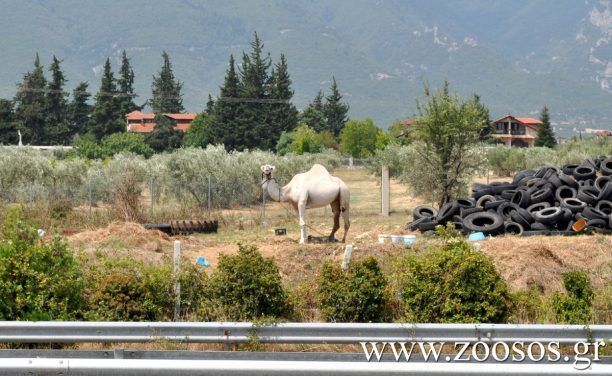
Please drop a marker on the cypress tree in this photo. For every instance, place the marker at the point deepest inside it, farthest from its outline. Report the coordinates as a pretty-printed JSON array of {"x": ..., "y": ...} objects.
[
  {"x": 166, "y": 90},
  {"x": 335, "y": 110},
  {"x": 56, "y": 106},
  {"x": 30, "y": 105},
  {"x": 125, "y": 85},
  {"x": 546, "y": 135},
  {"x": 317, "y": 102},
  {"x": 283, "y": 113},
  {"x": 313, "y": 115},
  {"x": 224, "y": 127},
  {"x": 106, "y": 118},
  {"x": 8, "y": 130},
  {"x": 80, "y": 109}
]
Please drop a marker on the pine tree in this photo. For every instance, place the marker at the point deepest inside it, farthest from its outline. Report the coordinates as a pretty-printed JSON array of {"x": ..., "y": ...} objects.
[
  {"x": 56, "y": 106},
  {"x": 224, "y": 127},
  {"x": 106, "y": 117},
  {"x": 335, "y": 110},
  {"x": 166, "y": 90},
  {"x": 125, "y": 85},
  {"x": 80, "y": 109},
  {"x": 283, "y": 117},
  {"x": 317, "y": 102},
  {"x": 254, "y": 112},
  {"x": 210, "y": 104},
  {"x": 313, "y": 115},
  {"x": 30, "y": 105},
  {"x": 546, "y": 135},
  {"x": 8, "y": 130}
]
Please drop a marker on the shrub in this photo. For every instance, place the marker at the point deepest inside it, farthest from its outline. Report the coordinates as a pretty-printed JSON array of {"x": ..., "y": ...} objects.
[
  {"x": 124, "y": 289},
  {"x": 451, "y": 283},
  {"x": 126, "y": 142},
  {"x": 358, "y": 138},
  {"x": 38, "y": 280},
  {"x": 126, "y": 173},
  {"x": 575, "y": 306},
  {"x": 247, "y": 286},
  {"x": 356, "y": 295}
]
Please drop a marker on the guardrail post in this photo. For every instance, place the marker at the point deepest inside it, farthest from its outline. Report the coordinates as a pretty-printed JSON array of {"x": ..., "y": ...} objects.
[{"x": 177, "y": 283}]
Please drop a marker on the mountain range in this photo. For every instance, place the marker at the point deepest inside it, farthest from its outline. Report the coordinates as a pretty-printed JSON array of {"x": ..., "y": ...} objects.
[{"x": 517, "y": 55}]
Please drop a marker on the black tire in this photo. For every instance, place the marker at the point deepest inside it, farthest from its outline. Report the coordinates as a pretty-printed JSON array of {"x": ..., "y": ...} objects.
[
  {"x": 555, "y": 181},
  {"x": 569, "y": 169},
  {"x": 504, "y": 209},
  {"x": 521, "y": 198},
  {"x": 605, "y": 167},
  {"x": 466, "y": 202},
  {"x": 516, "y": 217},
  {"x": 568, "y": 180},
  {"x": 415, "y": 224},
  {"x": 584, "y": 172},
  {"x": 513, "y": 228},
  {"x": 536, "y": 233},
  {"x": 464, "y": 212},
  {"x": 538, "y": 226},
  {"x": 549, "y": 215},
  {"x": 597, "y": 222},
  {"x": 541, "y": 195},
  {"x": 521, "y": 175},
  {"x": 499, "y": 188},
  {"x": 446, "y": 212},
  {"x": 604, "y": 206},
  {"x": 483, "y": 192},
  {"x": 565, "y": 192},
  {"x": 426, "y": 226},
  {"x": 590, "y": 213},
  {"x": 573, "y": 204},
  {"x": 606, "y": 192},
  {"x": 493, "y": 204},
  {"x": 485, "y": 222},
  {"x": 585, "y": 183},
  {"x": 589, "y": 195},
  {"x": 483, "y": 200},
  {"x": 163, "y": 227},
  {"x": 601, "y": 182},
  {"x": 537, "y": 207},
  {"x": 424, "y": 211},
  {"x": 507, "y": 194}
]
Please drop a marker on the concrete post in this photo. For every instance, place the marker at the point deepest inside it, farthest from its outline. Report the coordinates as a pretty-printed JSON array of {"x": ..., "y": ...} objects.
[
  {"x": 177, "y": 283},
  {"x": 384, "y": 187}
]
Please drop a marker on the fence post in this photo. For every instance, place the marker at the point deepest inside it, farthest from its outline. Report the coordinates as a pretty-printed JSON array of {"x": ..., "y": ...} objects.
[
  {"x": 177, "y": 283},
  {"x": 209, "y": 197},
  {"x": 30, "y": 193},
  {"x": 89, "y": 196},
  {"x": 347, "y": 256},
  {"x": 263, "y": 208},
  {"x": 384, "y": 188},
  {"x": 151, "y": 193}
]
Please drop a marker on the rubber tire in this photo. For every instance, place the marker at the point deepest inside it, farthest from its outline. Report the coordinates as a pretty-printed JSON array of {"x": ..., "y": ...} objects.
[
  {"x": 549, "y": 215},
  {"x": 465, "y": 203},
  {"x": 568, "y": 180},
  {"x": 537, "y": 207},
  {"x": 604, "y": 206},
  {"x": 597, "y": 222},
  {"x": 538, "y": 226},
  {"x": 480, "y": 203},
  {"x": 427, "y": 226},
  {"x": 518, "y": 229},
  {"x": 589, "y": 195},
  {"x": 446, "y": 212},
  {"x": 601, "y": 181},
  {"x": 606, "y": 192},
  {"x": 573, "y": 204},
  {"x": 560, "y": 193},
  {"x": 516, "y": 217},
  {"x": 592, "y": 213},
  {"x": 583, "y": 172},
  {"x": 521, "y": 198},
  {"x": 414, "y": 225},
  {"x": 541, "y": 195},
  {"x": 569, "y": 169},
  {"x": 508, "y": 194},
  {"x": 424, "y": 211},
  {"x": 493, "y": 204},
  {"x": 605, "y": 167},
  {"x": 495, "y": 226}
]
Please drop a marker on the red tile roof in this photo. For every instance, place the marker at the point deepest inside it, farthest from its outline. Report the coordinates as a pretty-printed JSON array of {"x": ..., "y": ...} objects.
[
  {"x": 530, "y": 122},
  {"x": 189, "y": 116},
  {"x": 137, "y": 115},
  {"x": 408, "y": 122}
]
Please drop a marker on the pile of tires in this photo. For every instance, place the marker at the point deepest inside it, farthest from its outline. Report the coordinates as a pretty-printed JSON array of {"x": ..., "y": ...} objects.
[{"x": 549, "y": 201}]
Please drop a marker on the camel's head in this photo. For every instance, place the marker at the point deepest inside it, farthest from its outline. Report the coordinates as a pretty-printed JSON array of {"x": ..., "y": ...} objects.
[{"x": 266, "y": 172}]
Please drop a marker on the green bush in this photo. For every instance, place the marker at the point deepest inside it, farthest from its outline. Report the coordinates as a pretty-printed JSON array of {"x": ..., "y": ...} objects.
[
  {"x": 246, "y": 286},
  {"x": 358, "y": 138},
  {"x": 124, "y": 289},
  {"x": 38, "y": 280},
  {"x": 451, "y": 283},
  {"x": 575, "y": 306},
  {"x": 355, "y": 295}
]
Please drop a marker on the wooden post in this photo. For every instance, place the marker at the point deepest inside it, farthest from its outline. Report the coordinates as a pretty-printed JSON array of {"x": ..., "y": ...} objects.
[
  {"x": 384, "y": 187},
  {"x": 347, "y": 256},
  {"x": 177, "y": 284}
]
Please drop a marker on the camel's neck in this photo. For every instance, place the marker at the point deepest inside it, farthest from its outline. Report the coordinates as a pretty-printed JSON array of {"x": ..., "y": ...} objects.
[{"x": 275, "y": 191}]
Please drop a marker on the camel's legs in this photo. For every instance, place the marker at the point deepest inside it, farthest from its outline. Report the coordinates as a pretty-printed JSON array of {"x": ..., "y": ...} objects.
[
  {"x": 347, "y": 223},
  {"x": 302, "y": 215},
  {"x": 335, "y": 206}
]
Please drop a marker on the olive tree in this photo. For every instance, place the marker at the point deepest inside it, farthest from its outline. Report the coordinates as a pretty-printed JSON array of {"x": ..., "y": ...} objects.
[{"x": 447, "y": 133}]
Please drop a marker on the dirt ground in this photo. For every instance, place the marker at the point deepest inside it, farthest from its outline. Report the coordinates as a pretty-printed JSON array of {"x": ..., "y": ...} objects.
[{"x": 521, "y": 261}]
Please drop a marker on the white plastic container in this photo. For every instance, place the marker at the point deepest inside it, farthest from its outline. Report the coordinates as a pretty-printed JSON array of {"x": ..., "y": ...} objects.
[
  {"x": 396, "y": 238},
  {"x": 409, "y": 239}
]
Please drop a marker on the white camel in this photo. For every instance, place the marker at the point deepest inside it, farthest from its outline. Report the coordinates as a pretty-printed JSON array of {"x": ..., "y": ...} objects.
[{"x": 312, "y": 189}]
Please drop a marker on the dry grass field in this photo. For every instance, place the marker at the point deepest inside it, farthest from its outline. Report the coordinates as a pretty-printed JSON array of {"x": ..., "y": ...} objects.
[{"x": 536, "y": 261}]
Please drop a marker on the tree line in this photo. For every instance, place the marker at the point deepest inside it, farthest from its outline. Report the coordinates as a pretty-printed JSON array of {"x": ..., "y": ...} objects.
[{"x": 253, "y": 109}]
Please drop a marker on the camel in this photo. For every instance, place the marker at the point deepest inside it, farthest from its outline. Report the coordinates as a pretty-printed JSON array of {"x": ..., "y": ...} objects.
[{"x": 312, "y": 189}]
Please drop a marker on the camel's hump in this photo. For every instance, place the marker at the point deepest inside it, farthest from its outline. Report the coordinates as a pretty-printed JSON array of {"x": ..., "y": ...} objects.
[{"x": 318, "y": 169}]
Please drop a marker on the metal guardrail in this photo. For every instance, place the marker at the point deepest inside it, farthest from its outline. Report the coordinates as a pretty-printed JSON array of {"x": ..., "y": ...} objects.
[
  {"x": 290, "y": 333},
  {"x": 85, "y": 367}
]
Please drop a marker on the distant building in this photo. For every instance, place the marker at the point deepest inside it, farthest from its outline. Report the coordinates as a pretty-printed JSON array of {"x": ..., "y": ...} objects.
[
  {"x": 138, "y": 122},
  {"x": 516, "y": 131}
]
